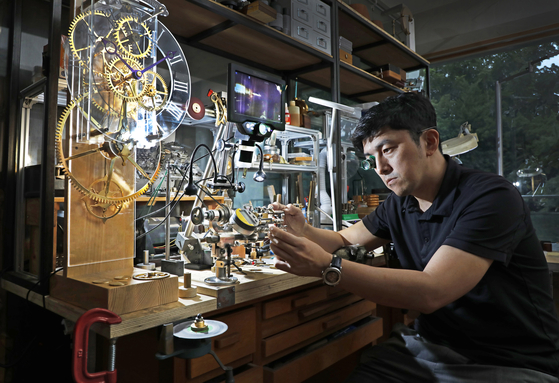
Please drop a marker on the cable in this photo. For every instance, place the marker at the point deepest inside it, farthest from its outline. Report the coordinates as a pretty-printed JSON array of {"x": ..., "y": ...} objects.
[{"x": 171, "y": 202}]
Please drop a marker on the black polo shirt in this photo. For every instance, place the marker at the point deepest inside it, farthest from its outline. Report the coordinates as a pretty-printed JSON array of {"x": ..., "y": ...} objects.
[{"x": 509, "y": 317}]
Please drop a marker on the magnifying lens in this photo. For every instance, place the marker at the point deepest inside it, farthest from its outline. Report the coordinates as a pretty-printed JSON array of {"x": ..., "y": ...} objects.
[{"x": 368, "y": 163}]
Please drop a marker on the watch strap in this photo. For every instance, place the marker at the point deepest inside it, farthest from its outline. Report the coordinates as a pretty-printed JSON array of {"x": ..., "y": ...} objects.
[{"x": 336, "y": 262}]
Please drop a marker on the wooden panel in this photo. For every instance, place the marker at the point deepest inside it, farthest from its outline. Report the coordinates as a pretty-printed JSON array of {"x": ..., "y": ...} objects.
[
  {"x": 289, "y": 338},
  {"x": 133, "y": 296},
  {"x": 243, "y": 41},
  {"x": 92, "y": 244},
  {"x": 253, "y": 285},
  {"x": 198, "y": 18},
  {"x": 310, "y": 364},
  {"x": 237, "y": 342}
]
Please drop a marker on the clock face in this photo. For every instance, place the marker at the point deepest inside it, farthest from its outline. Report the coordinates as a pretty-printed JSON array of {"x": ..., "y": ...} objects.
[{"x": 129, "y": 73}]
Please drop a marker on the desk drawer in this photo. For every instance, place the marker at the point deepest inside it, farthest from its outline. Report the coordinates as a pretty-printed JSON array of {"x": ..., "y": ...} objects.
[
  {"x": 308, "y": 364},
  {"x": 237, "y": 342},
  {"x": 323, "y": 325},
  {"x": 296, "y": 301},
  {"x": 306, "y": 313}
]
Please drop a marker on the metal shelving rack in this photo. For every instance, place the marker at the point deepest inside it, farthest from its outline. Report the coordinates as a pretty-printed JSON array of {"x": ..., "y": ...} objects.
[{"x": 213, "y": 27}]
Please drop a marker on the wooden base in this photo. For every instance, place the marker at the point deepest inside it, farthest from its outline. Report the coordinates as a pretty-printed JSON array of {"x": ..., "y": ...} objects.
[{"x": 116, "y": 291}]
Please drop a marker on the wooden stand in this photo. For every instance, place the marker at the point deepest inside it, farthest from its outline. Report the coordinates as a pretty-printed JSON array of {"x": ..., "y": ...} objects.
[{"x": 116, "y": 290}]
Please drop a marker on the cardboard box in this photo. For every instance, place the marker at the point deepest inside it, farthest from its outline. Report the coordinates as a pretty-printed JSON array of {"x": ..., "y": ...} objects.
[
  {"x": 260, "y": 11},
  {"x": 346, "y": 57}
]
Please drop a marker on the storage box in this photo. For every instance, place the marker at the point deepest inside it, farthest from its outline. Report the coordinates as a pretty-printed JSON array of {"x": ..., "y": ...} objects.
[
  {"x": 260, "y": 11},
  {"x": 346, "y": 57}
]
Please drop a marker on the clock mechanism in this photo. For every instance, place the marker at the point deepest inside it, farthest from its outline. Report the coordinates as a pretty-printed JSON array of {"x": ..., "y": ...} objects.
[{"x": 129, "y": 83}]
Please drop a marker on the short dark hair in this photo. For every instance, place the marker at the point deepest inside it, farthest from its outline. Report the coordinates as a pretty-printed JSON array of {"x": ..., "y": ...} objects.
[{"x": 407, "y": 111}]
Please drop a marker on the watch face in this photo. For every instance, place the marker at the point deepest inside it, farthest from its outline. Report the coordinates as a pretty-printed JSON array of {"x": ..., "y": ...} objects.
[
  {"x": 129, "y": 73},
  {"x": 332, "y": 276}
]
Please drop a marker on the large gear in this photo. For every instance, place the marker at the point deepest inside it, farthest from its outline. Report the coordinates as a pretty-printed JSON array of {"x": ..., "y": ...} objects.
[
  {"x": 112, "y": 150},
  {"x": 121, "y": 80},
  {"x": 155, "y": 95},
  {"x": 133, "y": 37},
  {"x": 82, "y": 37}
]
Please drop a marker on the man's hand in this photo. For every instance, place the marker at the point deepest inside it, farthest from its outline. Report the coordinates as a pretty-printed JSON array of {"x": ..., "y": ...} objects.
[
  {"x": 293, "y": 219},
  {"x": 297, "y": 255}
]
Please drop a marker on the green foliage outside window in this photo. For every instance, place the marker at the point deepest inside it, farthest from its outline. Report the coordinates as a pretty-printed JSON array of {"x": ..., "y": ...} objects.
[{"x": 465, "y": 91}]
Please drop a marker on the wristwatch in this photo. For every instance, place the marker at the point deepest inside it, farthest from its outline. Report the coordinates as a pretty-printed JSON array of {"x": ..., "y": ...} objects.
[{"x": 333, "y": 273}]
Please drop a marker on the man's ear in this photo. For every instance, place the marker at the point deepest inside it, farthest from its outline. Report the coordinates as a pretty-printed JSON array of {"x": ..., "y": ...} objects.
[{"x": 431, "y": 140}]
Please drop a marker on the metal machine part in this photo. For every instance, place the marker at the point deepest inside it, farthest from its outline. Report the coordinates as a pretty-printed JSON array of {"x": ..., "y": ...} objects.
[
  {"x": 186, "y": 341},
  {"x": 225, "y": 229}
]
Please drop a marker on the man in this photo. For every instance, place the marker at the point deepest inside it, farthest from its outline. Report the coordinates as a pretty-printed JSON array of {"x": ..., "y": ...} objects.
[{"x": 471, "y": 261}]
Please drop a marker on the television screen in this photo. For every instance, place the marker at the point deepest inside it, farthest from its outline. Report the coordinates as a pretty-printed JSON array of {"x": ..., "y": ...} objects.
[{"x": 255, "y": 97}]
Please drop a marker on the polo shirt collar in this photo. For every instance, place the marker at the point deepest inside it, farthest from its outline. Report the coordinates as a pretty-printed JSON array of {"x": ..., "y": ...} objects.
[{"x": 444, "y": 201}]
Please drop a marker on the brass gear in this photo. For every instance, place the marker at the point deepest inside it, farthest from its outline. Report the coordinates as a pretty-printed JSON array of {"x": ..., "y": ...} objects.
[
  {"x": 122, "y": 82},
  {"x": 155, "y": 96},
  {"x": 117, "y": 150},
  {"x": 107, "y": 211},
  {"x": 80, "y": 25},
  {"x": 131, "y": 34}
]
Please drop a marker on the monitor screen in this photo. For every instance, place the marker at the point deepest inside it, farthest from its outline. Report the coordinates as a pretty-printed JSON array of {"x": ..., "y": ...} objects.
[{"x": 255, "y": 97}]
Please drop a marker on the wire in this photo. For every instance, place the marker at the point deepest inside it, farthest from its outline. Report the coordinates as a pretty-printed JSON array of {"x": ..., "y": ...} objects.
[{"x": 170, "y": 202}]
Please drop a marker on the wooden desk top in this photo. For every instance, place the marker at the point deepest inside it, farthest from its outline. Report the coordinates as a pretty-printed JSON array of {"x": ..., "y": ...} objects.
[{"x": 254, "y": 285}]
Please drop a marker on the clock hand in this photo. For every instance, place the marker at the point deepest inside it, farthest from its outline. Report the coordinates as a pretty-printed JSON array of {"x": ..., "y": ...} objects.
[
  {"x": 170, "y": 55},
  {"x": 110, "y": 47}
]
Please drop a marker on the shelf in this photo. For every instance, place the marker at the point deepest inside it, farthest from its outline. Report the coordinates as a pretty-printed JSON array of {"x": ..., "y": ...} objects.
[
  {"x": 373, "y": 44},
  {"x": 281, "y": 168},
  {"x": 355, "y": 83},
  {"x": 213, "y": 27}
]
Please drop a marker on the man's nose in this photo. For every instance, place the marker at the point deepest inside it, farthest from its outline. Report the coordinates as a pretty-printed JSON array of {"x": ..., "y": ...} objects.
[{"x": 382, "y": 166}]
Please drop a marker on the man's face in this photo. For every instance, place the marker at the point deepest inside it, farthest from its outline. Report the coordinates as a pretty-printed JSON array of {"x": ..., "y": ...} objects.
[{"x": 399, "y": 160}]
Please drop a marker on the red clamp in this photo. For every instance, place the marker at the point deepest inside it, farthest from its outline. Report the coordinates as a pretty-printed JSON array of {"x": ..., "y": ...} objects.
[{"x": 81, "y": 340}]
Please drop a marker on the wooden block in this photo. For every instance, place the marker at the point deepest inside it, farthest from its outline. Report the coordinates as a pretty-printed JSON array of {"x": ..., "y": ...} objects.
[
  {"x": 188, "y": 292},
  {"x": 128, "y": 295},
  {"x": 260, "y": 11},
  {"x": 346, "y": 57}
]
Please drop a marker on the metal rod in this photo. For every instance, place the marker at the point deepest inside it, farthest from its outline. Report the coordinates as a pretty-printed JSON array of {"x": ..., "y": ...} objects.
[
  {"x": 499, "y": 129},
  {"x": 168, "y": 215}
]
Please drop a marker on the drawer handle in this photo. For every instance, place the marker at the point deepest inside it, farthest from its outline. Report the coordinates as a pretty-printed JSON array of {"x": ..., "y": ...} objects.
[
  {"x": 302, "y": 32},
  {"x": 331, "y": 323},
  {"x": 304, "y": 15},
  {"x": 227, "y": 340},
  {"x": 299, "y": 302}
]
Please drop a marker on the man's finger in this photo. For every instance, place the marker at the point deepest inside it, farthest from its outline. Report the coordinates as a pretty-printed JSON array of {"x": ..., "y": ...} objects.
[
  {"x": 284, "y": 236},
  {"x": 283, "y": 266},
  {"x": 282, "y": 250}
]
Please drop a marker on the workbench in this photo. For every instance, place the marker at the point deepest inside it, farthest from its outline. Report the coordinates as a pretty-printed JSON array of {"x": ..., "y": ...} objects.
[{"x": 281, "y": 328}]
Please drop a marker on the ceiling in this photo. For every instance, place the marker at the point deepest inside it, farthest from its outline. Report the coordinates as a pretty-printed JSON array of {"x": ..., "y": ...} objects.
[{"x": 448, "y": 29}]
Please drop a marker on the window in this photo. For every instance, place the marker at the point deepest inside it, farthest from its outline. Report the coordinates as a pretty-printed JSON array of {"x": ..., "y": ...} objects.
[{"x": 466, "y": 91}]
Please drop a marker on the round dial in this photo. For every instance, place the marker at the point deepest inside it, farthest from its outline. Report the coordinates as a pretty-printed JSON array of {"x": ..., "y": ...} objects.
[
  {"x": 133, "y": 69},
  {"x": 332, "y": 276}
]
